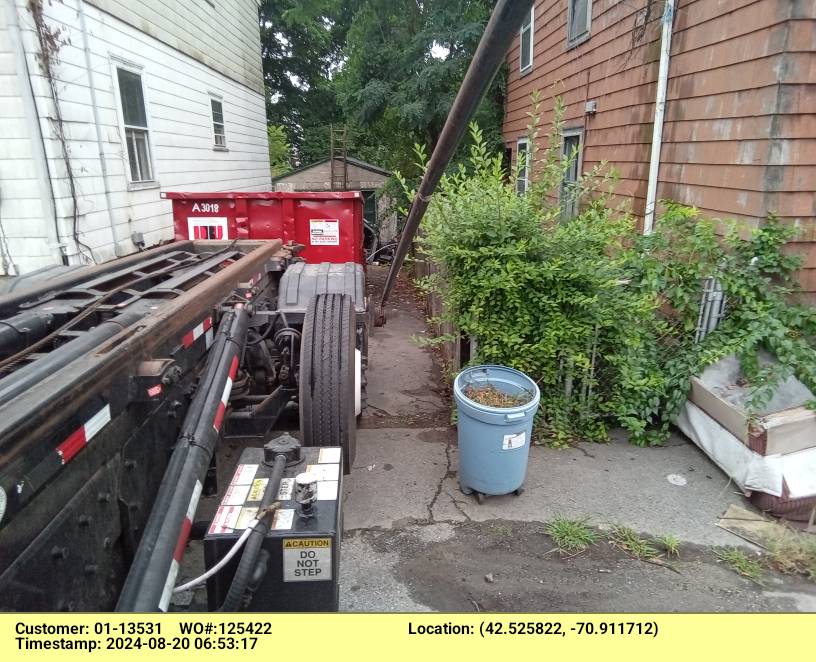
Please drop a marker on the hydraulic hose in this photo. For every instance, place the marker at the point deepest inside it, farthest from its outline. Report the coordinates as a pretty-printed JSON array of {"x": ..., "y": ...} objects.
[
  {"x": 246, "y": 571},
  {"x": 155, "y": 566}
]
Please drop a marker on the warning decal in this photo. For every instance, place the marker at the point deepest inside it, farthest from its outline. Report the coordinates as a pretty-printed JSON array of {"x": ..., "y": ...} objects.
[
  {"x": 329, "y": 456},
  {"x": 245, "y": 474},
  {"x": 307, "y": 559},
  {"x": 324, "y": 471},
  {"x": 258, "y": 488},
  {"x": 324, "y": 232},
  {"x": 513, "y": 441},
  {"x": 283, "y": 518},
  {"x": 225, "y": 519}
]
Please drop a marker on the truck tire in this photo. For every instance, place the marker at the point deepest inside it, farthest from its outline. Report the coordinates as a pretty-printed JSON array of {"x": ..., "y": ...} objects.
[{"x": 326, "y": 377}]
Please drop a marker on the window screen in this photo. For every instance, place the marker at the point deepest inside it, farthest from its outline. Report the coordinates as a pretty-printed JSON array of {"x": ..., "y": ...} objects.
[
  {"x": 134, "y": 116},
  {"x": 526, "y": 55},
  {"x": 220, "y": 138},
  {"x": 580, "y": 13}
]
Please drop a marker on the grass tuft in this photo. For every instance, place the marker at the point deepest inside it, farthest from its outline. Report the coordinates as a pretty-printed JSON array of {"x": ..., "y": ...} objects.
[
  {"x": 741, "y": 564},
  {"x": 671, "y": 544},
  {"x": 630, "y": 542},
  {"x": 571, "y": 535},
  {"x": 793, "y": 554}
]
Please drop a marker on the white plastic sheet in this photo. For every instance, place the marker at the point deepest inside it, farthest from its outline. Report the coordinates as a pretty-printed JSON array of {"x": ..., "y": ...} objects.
[{"x": 750, "y": 471}]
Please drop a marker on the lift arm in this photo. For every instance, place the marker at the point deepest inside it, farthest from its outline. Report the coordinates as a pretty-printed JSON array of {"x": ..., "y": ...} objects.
[{"x": 153, "y": 574}]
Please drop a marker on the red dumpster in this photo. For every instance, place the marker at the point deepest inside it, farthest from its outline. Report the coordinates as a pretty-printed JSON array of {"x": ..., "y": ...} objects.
[{"x": 329, "y": 224}]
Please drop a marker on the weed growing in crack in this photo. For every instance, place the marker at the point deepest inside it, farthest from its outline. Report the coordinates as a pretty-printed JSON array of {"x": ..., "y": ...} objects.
[
  {"x": 571, "y": 535},
  {"x": 793, "y": 554},
  {"x": 670, "y": 543},
  {"x": 740, "y": 563},
  {"x": 627, "y": 540}
]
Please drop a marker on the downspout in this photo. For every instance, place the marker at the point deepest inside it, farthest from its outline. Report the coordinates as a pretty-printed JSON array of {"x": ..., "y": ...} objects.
[
  {"x": 660, "y": 108},
  {"x": 97, "y": 128},
  {"x": 44, "y": 179}
]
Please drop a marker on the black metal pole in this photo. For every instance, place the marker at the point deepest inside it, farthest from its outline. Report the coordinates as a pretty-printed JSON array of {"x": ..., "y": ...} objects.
[
  {"x": 504, "y": 24},
  {"x": 153, "y": 572},
  {"x": 29, "y": 376}
]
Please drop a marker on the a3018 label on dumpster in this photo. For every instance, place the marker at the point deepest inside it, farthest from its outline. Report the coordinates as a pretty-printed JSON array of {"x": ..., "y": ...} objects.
[
  {"x": 324, "y": 232},
  {"x": 512, "y": 441},
  {"x": 307, "y": 559}
]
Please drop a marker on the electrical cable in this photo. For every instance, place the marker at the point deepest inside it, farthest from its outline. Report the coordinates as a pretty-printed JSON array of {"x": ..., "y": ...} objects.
[{"x": 227, "y": 557}]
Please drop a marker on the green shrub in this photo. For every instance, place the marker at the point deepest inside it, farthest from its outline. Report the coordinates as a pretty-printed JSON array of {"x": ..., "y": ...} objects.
[{"x": 601, "y": 317}]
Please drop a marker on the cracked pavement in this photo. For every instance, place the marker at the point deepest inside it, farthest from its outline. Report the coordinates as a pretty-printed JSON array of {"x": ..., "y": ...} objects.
[{"x": 414, "y": 542}]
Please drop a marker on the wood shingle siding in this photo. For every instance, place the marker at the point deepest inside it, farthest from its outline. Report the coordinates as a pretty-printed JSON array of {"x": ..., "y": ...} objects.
[{"x": 739, "y": 135}]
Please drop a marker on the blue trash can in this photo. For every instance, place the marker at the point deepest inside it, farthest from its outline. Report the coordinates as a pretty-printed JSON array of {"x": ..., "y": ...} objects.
[{"x": 494, "y": 442}]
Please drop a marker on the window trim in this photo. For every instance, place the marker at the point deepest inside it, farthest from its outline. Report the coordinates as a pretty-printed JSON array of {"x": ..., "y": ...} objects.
[
  {"x": 117, "y": 63},
  {"x": 526, "y": 70},
  {"x": 572, "y": 42},
  {"x": 525, "y": 140},
  {"x": 579, "y": 162},
  {"x": 216, "y": 147}
]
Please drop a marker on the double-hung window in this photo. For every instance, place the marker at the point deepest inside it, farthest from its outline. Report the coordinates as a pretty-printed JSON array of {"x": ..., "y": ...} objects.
[
  {"x": 522, "y": 166},
  {"x": 134, "y": 118},
  {"x": 579, "y": 18},
  {"x": 219, "y": 135},
  {"x": 526, "y": 43},
  {"x": 571, "y": 153}
]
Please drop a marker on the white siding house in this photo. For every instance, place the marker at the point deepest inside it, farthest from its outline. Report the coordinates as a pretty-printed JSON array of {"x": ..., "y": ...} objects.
[{"x": 154, "y": 95}]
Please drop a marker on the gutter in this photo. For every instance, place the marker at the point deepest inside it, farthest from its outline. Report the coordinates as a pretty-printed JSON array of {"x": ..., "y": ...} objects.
[
  {"x": 97, "y": 128},
  {"x": 660, "y": 109}
]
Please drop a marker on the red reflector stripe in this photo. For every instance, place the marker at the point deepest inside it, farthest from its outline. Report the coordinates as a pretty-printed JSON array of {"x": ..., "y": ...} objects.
[
  {"x": 219, "y": 416},
  {"x": 178, "y": 553},
  {"x": 78, "y": 439},
  {"x": 68, "y": 449},
  {"x": 222, "y": 407},
  {"x": 191, "y": 336}
]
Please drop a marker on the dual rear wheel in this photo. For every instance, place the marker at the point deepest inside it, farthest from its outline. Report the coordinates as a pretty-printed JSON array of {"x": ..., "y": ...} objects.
[{"x": 328, "y": 382}]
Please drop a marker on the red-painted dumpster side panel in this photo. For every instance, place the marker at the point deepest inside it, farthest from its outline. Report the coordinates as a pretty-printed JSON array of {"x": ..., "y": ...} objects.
[{"x": 329, "y": 225}]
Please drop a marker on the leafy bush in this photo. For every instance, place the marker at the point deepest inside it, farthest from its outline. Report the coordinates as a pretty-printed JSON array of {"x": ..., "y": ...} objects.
[{"x": 602, "y": 318}]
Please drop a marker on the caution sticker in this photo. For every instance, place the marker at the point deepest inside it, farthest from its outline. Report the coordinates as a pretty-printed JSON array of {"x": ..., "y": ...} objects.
[
  {"x": 324, "y": 232},
  {"x": 307, "y": 559},
  {"x": 513, "y": 441}
]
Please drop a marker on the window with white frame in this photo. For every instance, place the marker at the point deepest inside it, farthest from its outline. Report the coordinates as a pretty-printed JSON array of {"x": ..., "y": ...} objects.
[
  {"x": 526, "y": 42},
  {"x": 134, "y": 118},
  {"x": 571, "y": 153},
  {"x": 219, "y": 135},
  {"x": 522, "y": 166},
  {"x": 579, "y": 18}
]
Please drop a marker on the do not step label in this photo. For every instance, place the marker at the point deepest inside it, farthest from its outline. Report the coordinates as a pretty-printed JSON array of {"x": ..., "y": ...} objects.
[{"x": 307, "y": 559}]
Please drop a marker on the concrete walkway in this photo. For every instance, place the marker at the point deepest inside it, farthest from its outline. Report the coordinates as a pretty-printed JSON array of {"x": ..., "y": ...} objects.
[{"x": 414, "y": 542}]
